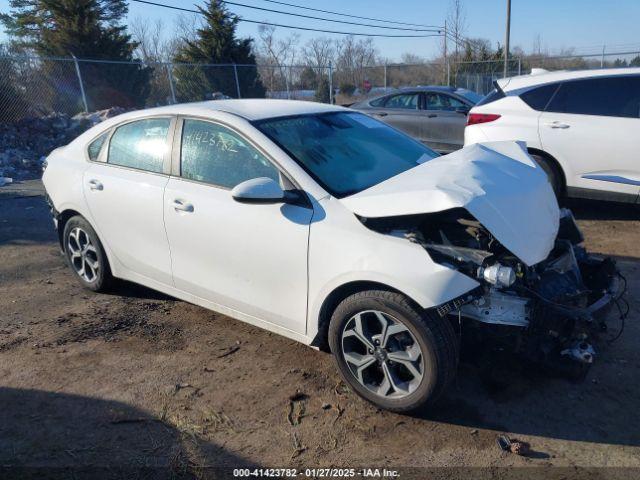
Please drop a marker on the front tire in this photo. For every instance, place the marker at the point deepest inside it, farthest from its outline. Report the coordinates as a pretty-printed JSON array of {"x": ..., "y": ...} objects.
[
  {"x": 85, "y": 255},
  {"x": 392, "y": 353}
]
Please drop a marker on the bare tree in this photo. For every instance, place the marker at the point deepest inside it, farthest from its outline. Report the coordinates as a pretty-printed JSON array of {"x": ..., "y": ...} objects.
[
  {"x": 275, "y": 56},
  {"x": 187, "y": 26},
  {"x": 537, "y": 45},
  {"x": 412, "y": 58},
  {"x": 413, "y": 70},
  {"x": 456, "y": 28},
  {"x": 155, "y": 48},
  {"x": 457, "y": 24},
  {"x": 317, "y": 53},
  {"x": 152, "y": 47},
  {"x": 154, "y": 44},
  {"x": 353, "y": 57}
]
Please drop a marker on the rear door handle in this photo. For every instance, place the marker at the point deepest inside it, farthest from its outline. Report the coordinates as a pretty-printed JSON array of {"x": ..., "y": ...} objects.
[
  {"x": 182, "y": 206},
  {"x": 382, "y": 114},
  {"x": 558, "y": 125},
  {"x": 432, "y": 115},
  {"x": 95, "y": 185}
]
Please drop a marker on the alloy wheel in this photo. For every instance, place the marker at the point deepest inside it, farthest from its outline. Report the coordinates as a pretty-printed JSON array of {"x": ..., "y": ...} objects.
[
  {"x": 83, "y": 254},
  {"x": 382, "y": 354}
]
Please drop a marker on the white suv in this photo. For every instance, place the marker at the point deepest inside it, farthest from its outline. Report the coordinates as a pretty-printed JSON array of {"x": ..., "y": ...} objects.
[
  {"x": 582, "y": 127},
  {"x": 329, "y": 227}
]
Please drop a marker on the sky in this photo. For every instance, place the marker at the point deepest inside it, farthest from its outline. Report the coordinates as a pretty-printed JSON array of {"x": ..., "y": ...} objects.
[{"x": 586, "y": 25}]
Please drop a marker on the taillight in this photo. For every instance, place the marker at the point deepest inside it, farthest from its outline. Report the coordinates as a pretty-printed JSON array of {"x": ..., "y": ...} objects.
[{"x": 476, "y": 118}]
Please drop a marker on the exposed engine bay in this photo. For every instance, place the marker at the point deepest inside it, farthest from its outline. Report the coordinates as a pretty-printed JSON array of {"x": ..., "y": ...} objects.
[{"x": 551, "y": 313}]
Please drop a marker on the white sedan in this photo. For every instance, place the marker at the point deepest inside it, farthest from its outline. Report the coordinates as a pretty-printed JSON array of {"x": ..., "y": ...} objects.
[{"x": 336, "y": 230}]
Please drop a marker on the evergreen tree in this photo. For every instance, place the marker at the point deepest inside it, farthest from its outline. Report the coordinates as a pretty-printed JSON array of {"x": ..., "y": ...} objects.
[
  {"x": 216, "y": 42},
  {"x": 86, "y": 29},
  {"x": 322, "y": 91},
  {"x": 308, "y": 79}
]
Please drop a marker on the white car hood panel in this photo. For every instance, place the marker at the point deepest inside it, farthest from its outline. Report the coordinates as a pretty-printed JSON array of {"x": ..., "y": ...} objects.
[{"x": 497, "y": 182}]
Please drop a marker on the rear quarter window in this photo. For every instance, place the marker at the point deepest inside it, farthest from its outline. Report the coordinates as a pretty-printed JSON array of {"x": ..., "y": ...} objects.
[
  {"x": 538, "y": 97},
  {"x": 494, "y": 95},
  {"x": 378, "y": 102},
  {"x": 96, "y": 146}
]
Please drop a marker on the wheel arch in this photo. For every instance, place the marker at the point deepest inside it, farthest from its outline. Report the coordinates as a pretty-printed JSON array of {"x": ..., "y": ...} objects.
[
  {"x": 337, "y": 295},
  {"x": 554, "y": 163},
  {"x": 62, "y": 218}
]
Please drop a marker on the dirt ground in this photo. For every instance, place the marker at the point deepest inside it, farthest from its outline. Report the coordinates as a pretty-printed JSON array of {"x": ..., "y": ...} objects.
[{"x": 134, "y": 380}]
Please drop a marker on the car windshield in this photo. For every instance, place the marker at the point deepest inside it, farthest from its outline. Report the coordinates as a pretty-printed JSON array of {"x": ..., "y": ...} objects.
[
  {"x": 473, "y": 97},
  {"x": 345, "y": 152}
]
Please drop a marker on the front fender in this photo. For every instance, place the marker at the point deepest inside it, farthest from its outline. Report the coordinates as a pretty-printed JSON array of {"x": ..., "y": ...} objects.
[
  {"x": 343, "y": 251},
  {"x": 429, "y": 291}
]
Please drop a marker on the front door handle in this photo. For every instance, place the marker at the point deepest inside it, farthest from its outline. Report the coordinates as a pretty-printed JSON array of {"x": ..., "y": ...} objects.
[
  {"x": 558, "y": 125},
  {"x": 95, "y": 185},
  {"x": 182, "y": 206},
  {"x": 432, "y": 115},
  {"x": 382, "y": 114}
]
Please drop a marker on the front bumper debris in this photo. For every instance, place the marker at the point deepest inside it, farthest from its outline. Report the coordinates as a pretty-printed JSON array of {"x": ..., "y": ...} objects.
[{"x": 555, "y": 314}]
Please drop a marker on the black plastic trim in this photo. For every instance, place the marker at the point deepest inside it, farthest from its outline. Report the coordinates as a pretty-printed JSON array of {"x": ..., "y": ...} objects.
[{"x": 577, "y": 192}]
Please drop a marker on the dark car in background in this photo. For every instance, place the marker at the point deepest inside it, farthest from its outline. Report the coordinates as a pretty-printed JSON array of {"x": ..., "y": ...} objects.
[{"x": 434, "y": 115}]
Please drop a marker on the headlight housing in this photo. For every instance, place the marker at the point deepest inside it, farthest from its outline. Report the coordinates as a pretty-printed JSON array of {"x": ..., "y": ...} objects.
[{"x": 498, "y": 275}]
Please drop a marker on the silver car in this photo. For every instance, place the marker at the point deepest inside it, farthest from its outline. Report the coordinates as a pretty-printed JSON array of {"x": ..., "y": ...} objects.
[{"x": 434, "y": 115}]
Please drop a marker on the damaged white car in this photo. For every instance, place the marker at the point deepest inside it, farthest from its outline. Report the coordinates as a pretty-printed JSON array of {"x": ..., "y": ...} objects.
[{"x": 334, "y": 229}]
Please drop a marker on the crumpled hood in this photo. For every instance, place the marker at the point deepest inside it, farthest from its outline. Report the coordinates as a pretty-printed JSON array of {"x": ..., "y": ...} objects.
[{"x": 497, "y": 182}]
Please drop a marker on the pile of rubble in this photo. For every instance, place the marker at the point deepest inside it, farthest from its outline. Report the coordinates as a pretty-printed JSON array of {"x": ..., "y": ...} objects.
[{"x": 25, "y": 143}]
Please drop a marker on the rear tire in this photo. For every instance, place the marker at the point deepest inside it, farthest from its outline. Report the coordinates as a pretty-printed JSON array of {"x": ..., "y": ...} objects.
[
  {"x": 85, "y": 255},
  {"x": 391, "y": 352},
  {"x": 555, "y": 178}
]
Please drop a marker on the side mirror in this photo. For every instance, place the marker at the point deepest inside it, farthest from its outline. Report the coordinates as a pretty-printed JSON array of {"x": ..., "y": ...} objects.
[
  {"x": 258, "y": 190},
  {"x": 463, "y": 110}
]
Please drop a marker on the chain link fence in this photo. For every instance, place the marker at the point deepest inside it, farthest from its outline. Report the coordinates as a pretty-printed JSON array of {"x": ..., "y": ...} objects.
[
  {"x": 46, "y": 102},
  {"x": 32, "y": 87},
  {"x": 480, "y": 75}
]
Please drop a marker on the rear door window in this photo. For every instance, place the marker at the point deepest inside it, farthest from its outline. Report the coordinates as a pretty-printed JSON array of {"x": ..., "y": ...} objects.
[
  {"x": 407, "y": 101},
  {"x": 609, "y": 96},
  {"x": 442, "y": 101},
  {"x": 142, "y": 144}
]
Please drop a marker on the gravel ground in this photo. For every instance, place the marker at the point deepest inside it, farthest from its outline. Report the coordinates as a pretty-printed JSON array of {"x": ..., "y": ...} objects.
[{"x": 134, "y": 380}]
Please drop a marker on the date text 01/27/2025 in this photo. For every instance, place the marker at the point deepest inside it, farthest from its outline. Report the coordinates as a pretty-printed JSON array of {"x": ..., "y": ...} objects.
[{"x": 316, "y": 472}]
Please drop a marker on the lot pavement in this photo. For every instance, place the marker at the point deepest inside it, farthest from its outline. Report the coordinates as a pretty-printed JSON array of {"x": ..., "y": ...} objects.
[{"x": 137, "y": 379}]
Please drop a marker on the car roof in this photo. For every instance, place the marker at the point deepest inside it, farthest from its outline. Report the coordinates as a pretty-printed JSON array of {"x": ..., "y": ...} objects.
[
  {"x": 427, "y": 88},
  {"x": 420, "y": 88},
  {"x": 249, "y": 109},
  {"x": 524, "y": 81},
  {"x": 423, "y": 88}
]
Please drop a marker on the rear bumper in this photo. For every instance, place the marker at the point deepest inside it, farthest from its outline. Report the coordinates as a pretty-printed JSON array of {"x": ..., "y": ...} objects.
[{"x": 474, "y": 134}]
